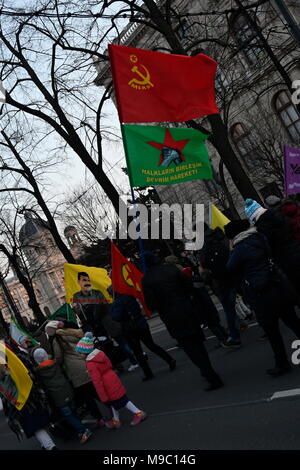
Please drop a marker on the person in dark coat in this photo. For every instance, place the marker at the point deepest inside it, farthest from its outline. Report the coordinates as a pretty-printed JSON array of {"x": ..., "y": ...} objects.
[
  {"x": 33, "y": 418},
  {"x": 135, "y": 329},
  {"x": 250, "y": 260},
  {"x": 167, "y": 290},
  {"x": 279, "y": 232},
  {"x": 59, "y": 391},
  {"x": 213, "y": 257},
  {"x": 204, "y": 307}
]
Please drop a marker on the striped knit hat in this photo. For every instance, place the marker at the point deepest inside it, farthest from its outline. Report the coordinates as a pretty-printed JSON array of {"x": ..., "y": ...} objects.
[{"x": 86, "y": 344}]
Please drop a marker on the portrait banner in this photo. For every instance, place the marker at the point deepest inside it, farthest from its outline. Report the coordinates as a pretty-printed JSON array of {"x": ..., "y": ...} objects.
[
  {"x": 15, "y": 382},
  {"x": 86, "y": 285}
]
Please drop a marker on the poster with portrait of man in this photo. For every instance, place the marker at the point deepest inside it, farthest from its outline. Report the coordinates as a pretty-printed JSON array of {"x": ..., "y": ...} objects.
[{"x": 86, "y": 285}]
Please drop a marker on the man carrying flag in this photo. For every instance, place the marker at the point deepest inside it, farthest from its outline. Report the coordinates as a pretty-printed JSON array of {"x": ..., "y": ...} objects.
[
  {"x": 126, "y": 283},
  {"x": 126, "y": 278}
]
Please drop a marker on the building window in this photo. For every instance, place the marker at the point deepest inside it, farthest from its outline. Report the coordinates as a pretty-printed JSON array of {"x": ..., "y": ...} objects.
[
  {"x": 288, "y": 115},
  {"x": 47, "y": 311},
  {"x": 221, "y": 82},
  {"x": 245, "y": 144},
  {"x": 246, "y": 38},
  {"x": 55, "y": 281}
]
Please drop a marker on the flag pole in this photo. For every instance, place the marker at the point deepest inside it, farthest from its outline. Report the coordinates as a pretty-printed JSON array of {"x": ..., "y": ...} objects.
[
  {"x": 141, "y": 244},
  {"x": 140, "y": 241}
]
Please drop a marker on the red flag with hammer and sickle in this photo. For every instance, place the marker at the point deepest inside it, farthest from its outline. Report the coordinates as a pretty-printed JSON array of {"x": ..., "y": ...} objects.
[
  {"x": 126, "y": 278},
  {"x": 155, "y": 86}
]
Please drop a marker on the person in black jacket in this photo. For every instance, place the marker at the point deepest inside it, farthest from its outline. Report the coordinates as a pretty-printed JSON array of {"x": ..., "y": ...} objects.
[
  {"x": 213, "y": 257},
  {"x": 278, "y": 230},
  {"x": 250, "y": 260},
  {"x": 167, "y": 290},
  {"x": 126, "y": 310}
]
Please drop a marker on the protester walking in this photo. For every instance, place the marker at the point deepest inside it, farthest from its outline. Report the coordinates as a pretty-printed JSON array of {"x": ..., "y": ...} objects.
[
  {"x": 250, "y": 261},
  {"x": 109, "y": 387},
  {"x": 59, "y": 391},
  {"x": 167, "y": 290},
  {"x": 204, "y": 307},
  {"x": 33, "y": 419},
  {"x": 64, "y": 351},
  {"x": 278, "y": 231},
  {"x": 213, "y": 257}
]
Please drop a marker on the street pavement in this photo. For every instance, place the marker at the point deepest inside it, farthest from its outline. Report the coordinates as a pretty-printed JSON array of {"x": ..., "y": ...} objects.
[{"x": 250, "y": 412}]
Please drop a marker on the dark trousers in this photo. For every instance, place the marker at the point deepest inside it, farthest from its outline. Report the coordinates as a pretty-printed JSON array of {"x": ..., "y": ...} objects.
[
  {"x": 270, "y": 306},
  {"x": 86, "y": 395},
  {"x": 207, "y": 313},
  {"x": 194, "y": 348},
  {"x": 227, "y": 297},
  {"x": 143, "y": 335}
]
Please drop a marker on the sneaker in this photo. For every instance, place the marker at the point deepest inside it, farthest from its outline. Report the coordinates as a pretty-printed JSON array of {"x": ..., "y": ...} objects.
[
  {"x": 116, "y": 423},
  {"x": 109, "y": 424},
  {"x": 138, "y": 417},
  {"x": 85, "y": 436},
  {"x": 231, "y": 343},
  {"x": 101, "y": 423},
  {"x": 132, "y": 367}
]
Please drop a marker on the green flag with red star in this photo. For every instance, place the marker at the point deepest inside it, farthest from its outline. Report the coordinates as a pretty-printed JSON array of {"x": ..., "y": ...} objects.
[{"x": 159, "y": 155}]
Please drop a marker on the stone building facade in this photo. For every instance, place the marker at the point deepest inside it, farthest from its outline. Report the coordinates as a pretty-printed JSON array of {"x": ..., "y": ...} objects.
[
  {"x": 45, "y": 263},
  {"x": 252, "y": 97}
]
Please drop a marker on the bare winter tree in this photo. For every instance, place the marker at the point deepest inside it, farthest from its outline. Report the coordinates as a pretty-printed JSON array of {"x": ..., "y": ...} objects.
[
  {"x": 90, "y": 210},
  {"x": 11, "y": 248},
  {"x": 18, "y": 178},
  {"x": 47, "y": 70}
]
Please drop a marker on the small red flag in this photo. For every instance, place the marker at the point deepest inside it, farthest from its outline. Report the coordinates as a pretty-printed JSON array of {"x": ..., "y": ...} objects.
[
  {"x": 126, "y": 278},
  {"x": 154, "y": 86}
]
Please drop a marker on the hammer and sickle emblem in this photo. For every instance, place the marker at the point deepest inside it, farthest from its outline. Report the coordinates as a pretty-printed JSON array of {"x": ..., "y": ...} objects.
[{"x": 144, "y": 76}]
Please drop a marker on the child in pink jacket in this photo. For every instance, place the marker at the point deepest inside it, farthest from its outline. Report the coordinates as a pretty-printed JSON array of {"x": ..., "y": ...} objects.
[{"x": 109, "y": 387}]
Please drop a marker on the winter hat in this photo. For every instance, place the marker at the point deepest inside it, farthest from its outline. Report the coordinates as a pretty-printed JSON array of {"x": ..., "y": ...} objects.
[
  {"x": 86, "y": 344},
  {"x": 40, "y": 355},
  {"x": 52, "y": 326},
  {"x": 235, "y": 227},
  {"x": 253, "y": 210},
  {"x": 272, "y": 201}
]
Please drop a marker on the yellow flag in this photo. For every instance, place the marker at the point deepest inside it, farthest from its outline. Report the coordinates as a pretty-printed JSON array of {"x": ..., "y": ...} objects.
[
  {"x": 15, "y": 382},
  {"x": 217, "y": 219},
  {"x": 85, "y": 284}
]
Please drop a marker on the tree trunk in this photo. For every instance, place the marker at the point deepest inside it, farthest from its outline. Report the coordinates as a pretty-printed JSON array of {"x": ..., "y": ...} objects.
[
  {"x": 4, "y": 324},
  {"x": 219, "y": 136},
  {"x": 232, "y": 207}
]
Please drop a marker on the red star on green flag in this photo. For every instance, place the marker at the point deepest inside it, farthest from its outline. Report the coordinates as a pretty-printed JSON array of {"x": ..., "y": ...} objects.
[
  {"x": 158, "y": 155},
  {"x": 170, "y": 143}
]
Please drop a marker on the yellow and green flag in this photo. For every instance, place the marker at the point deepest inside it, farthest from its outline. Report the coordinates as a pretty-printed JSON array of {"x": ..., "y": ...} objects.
[
  {"x": 158, "y": 155},
  {"x": 86, "y": 285},
  {"x": 15, "y": 382}
]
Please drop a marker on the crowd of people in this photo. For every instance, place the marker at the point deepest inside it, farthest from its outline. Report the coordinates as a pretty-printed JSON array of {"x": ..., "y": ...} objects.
[{"x": 252, "y": 266}]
